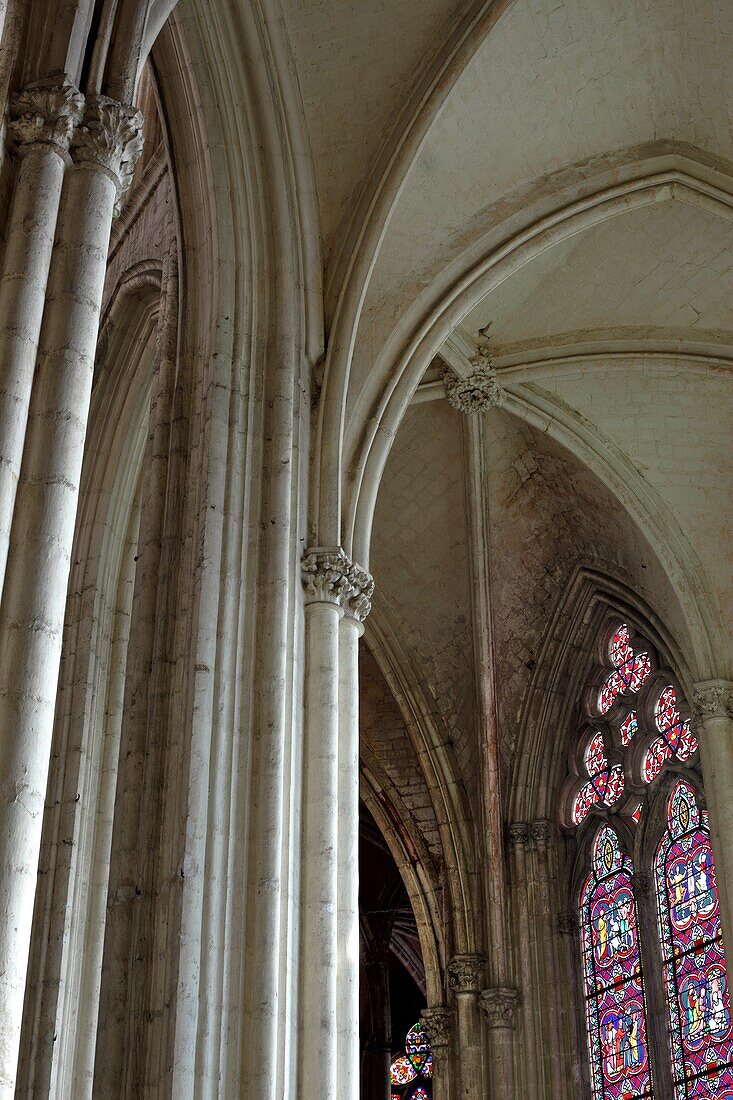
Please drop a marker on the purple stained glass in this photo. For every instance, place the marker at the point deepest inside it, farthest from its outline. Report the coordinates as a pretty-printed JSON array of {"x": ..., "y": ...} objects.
[
  {"x": 630, "y": 669},
  {"x": 420, "y": 1093},
  {"x": 695, "y": 978},
  {"x": 614, "y": 986}
]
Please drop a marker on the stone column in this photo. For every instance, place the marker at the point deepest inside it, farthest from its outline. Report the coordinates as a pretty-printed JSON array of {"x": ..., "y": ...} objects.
[
  {"x": 104, "y": 149},
  {"x": 547, "y": 983},
  {"x": 329, "y": 885},
  {"x": 438, "y": 1023},
  {"x": 500, "y": 1006},
  {"x": 518, "y": 839},
  {"x": 357, "y": 605},
  {"x": 42, "y": 119},
  {"x": 713, "y": 710},
  {"x": 466, "y": 976}
]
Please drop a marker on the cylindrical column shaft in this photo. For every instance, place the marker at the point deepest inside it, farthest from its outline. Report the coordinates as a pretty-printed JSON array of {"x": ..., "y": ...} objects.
[
  {"x": 713, "y": 702},
  {"x": 500, "y": 1006},
  {"x": 42, "y": 121},
  {"x": 319, "y": 874},
  {"x": 466, "y": 978},
  {"x": 34, "y": 595},
  {"x": 348, "y": 858},
  {"x": 438, "y": 1023}
]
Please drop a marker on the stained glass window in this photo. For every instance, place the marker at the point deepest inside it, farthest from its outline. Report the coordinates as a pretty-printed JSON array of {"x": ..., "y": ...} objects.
[
  {"x": 648, "y": 735},
  {"x": 630, "y": 669},
  {"x": 675, "y": 736},
  {"x": 614, "y": 985},
  {"x": 410, "y": 1073},
  {"x": 693, "y": 960},
  {"x": 605, "y": 783}
]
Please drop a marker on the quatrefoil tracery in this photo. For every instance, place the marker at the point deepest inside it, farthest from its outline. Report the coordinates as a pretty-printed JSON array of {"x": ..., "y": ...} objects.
[{"x": 636, "y": 723}]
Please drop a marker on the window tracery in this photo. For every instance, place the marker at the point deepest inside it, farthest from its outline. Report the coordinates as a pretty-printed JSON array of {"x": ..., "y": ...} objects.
[
  {"x": 635, "y": 747},
  {"x": 410, "y": 1073}
]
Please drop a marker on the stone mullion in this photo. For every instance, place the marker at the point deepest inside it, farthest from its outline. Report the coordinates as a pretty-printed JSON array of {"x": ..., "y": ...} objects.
[
  {"x": 42, "y": 120},
  {"x": 104, "y": 149}
]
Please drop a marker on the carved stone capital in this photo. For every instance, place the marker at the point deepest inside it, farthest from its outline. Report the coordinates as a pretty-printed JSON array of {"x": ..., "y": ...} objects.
[
  {"x": 567, "y": 923},
  {"x": 45, "y": 113},
  {"x": 540, "y": 833},
  {"x": 518, "y": 834},
  {"x": 500, "y": 1006},
  {"x": 358, "y": 602},
  {"x": 110, "y": 136},
  {"x": 330, "y": 576},
  {"x": 466, "y": 973},
  {"x": 481, "y": 388},
  {"x": 438, "y": 1023},
  {"x": 712, "y": 699},
  {"x": 642, "y": 884}
]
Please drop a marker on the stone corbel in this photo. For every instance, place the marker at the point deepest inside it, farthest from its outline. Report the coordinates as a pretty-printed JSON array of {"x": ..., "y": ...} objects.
[
  {"x": 109, "y": 138},
  {"x": 478, "y": 390},
  {"x": 500, "y": 1006},
  {"x": 466, "y": 973},
  {"x": 46, "y": 113}
]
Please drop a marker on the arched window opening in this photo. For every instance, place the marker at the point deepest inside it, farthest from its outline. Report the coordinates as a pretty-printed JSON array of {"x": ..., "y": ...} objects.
[
  {"x": 635, "y": 743},
  {"x": 693, "y": 961},
  {"x": 410, "y": 1073},
  {"x": 614, "y": 984}
]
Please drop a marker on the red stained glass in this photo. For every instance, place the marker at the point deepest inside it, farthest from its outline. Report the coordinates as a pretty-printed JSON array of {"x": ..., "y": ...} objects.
[
  {"x": 630, "y": 670},
  {"x": 614, "y": 986},
  {"x": 586, "y": 797},
  {"x": 696, "y": 984},
  {"x": 402, "y": 1071},
  {"x": 677, "y": 734},
  {"x": 413, "y": 1067}
]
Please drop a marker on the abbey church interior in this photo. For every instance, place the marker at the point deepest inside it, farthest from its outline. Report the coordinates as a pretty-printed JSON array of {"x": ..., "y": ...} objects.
[{"x": 366, "y": 532}]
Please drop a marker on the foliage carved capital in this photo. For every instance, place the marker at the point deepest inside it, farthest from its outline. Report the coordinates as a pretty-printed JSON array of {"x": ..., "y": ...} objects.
[
  {"x": 110, "y": 137},
  {"x": 540, "y": 833},
  {"x": 518, "y": 834},
  {"x": 438, "y": 1024},
  {"x": 712, "y": 699},
  {"x": 466, "y": 973},
  {"x": 45, "y": 113},
  {"x": 500, "y": 1006},
  {"x": 330, "y": 576},
  {"x": 480, "y": 389}
]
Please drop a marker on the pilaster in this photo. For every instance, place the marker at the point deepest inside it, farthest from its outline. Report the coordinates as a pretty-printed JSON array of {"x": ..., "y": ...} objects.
[{"x": 438, "y": 1023}]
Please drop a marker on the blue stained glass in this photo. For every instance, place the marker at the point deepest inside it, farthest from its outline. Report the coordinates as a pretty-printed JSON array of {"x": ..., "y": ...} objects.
[
  {"x": 696, "y": 984},
  {"x": 614, "y": 985}
]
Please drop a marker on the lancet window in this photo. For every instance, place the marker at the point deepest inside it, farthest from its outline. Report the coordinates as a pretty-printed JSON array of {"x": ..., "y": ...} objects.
[
  {"x": 633, "y": 800},
  {"x": 411, "y": 1073}
]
